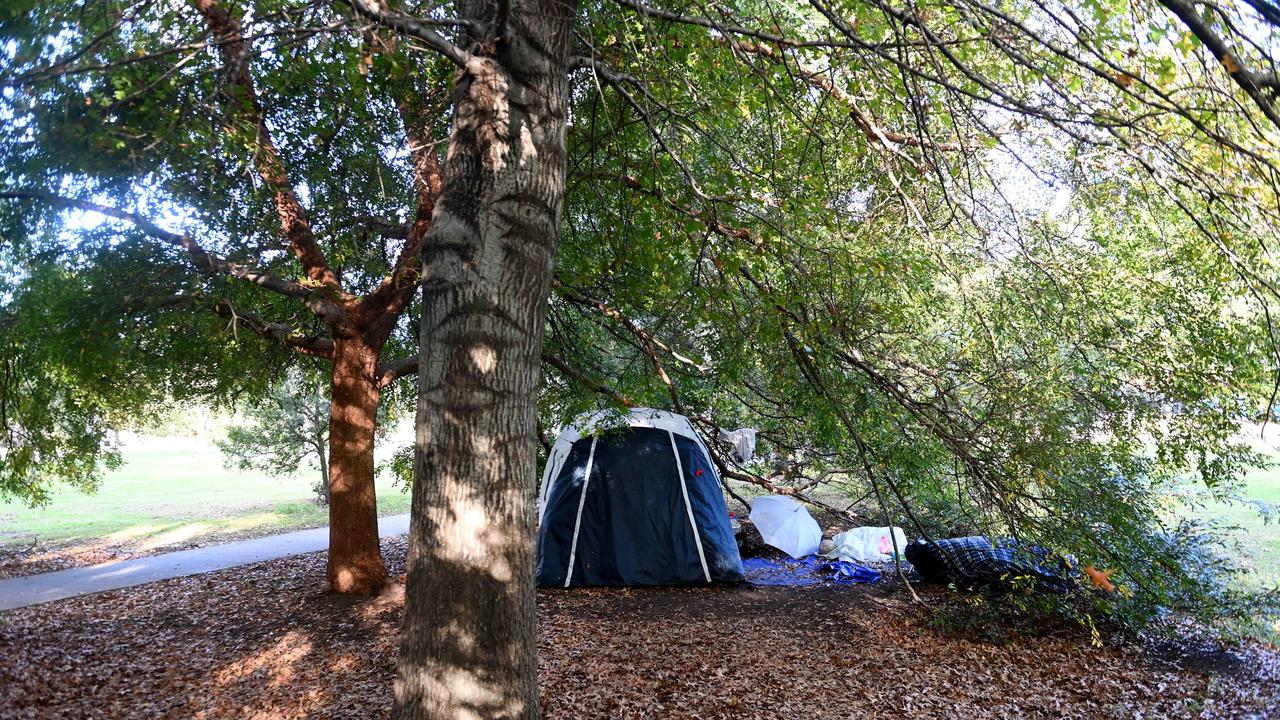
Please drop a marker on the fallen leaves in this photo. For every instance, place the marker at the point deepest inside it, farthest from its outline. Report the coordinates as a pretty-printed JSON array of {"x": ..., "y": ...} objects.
[
  {"x": 265, "y": 642},
  {"x": 262, "y": 641}
]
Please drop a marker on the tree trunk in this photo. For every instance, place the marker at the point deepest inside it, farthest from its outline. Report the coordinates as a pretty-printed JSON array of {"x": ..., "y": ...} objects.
[
  {"x": 469, "y": 642},
  {"x": 321, "y": 452},
  {"x": 355, "y": 558}
]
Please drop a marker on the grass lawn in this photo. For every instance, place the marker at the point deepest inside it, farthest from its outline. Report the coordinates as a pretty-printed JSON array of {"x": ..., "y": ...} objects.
[
  {"x": 173, "y": 491},
  {"x": 1259, "y": 542}
]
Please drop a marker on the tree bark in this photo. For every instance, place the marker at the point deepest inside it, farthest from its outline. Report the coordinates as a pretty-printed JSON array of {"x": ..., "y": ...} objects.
[
  {"x": 469, "y": 642},
  {"x": 355, "y": 557}
]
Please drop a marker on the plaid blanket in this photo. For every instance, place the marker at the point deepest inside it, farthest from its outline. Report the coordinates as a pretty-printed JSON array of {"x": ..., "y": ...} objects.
[{"x": 972, "y": 561}]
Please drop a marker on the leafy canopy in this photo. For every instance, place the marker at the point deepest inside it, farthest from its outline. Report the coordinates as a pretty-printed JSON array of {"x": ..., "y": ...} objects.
[{"x": 1002, "y": 267}]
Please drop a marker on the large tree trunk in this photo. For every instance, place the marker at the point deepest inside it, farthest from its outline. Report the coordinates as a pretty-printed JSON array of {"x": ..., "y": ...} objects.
[
  {"x": 355, "y": 558},
  {"x": 469, "y": 644}
]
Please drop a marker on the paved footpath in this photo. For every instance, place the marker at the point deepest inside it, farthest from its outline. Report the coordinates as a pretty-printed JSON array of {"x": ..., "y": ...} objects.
[{"x": 47, "y": 587}]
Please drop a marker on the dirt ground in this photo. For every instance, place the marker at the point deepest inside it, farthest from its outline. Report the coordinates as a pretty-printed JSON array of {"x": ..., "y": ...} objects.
[{"x": 264, "y": 642}]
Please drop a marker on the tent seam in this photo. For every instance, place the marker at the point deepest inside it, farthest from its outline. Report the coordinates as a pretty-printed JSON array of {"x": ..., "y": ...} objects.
[
  {"x": 582, "y": 500},
  {"x": 684, "y": 490}
]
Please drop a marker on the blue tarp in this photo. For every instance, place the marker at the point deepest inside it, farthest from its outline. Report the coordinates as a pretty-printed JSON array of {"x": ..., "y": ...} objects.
[{"x": 809, "y": 570}]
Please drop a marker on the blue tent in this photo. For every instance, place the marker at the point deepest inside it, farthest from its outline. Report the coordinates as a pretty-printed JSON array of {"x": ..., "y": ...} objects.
[{"x": 633, "y": 502}]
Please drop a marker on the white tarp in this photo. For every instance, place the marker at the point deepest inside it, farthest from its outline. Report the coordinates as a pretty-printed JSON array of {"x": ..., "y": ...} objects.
[
  {"x": 867, "y": 544},
  {"x": 743, "y": 441},
  {"x": 786, "y": 525}
]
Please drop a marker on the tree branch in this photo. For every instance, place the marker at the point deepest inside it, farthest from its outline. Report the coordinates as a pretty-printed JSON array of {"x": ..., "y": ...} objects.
[
  {"x": 643, "y": 335},
  {"x": 313, "y": 345},
  {"x": 203, "y": 260},
  {"x": 865, "y": 122},
  {"x": 711, "y": 25},
  {"x": 385, "y": 227},
  {"x": 1252, "y": 85},
  {"x": 395, "y": 291},
  {"x": 417, "y": 28},
  {"x": 1267, "y": 10},
  {"x": 242, "y": 98},
  {"x": 570, "y": 372},
  {"x": 390, "y": 371}
]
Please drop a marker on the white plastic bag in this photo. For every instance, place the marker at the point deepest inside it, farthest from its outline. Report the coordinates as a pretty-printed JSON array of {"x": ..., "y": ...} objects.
[
  {"x": 743, "y": 441},
  {"x": 867, "y": 544}
]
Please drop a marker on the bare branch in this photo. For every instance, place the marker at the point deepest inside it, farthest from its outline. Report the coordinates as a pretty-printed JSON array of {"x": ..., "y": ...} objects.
[
  {"x": 417, "y": 28},
  {"x": 1268, "y": 10}
]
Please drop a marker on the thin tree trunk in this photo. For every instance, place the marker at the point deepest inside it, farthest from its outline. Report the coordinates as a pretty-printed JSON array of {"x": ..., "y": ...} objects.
[
  {"x": 355, "y": 558},
  {"x": 321, "y": 452},
  {"x": 469, "y": 642}
]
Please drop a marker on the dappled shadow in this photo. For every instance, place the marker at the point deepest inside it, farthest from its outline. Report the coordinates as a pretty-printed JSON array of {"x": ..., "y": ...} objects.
[
  {"x": 264, "y": 641},
  {"x": 470, "y": 666}
]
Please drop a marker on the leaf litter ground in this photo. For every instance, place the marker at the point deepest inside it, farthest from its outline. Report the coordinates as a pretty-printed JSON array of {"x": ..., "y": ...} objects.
[{"x": 264, "y": 642}]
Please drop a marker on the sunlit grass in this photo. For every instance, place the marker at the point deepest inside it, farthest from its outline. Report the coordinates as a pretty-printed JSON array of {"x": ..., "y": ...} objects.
[
  {"x": 1258, "y": 541},
  {"x": 174, "y": 491}
]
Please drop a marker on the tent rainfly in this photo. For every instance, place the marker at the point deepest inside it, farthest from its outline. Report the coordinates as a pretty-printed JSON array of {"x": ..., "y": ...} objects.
[{"x": 636, "y": 502}]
